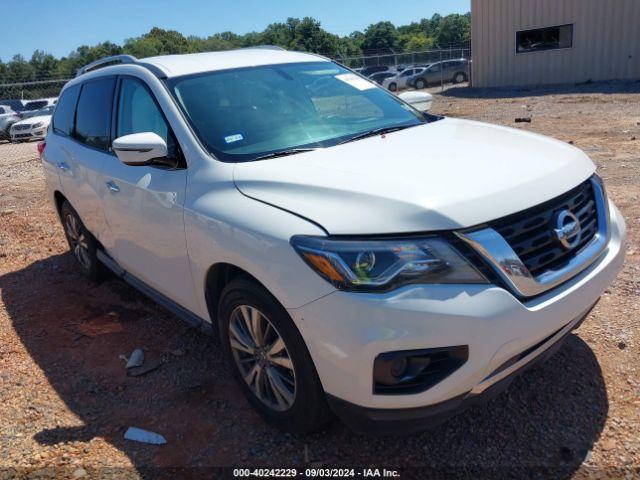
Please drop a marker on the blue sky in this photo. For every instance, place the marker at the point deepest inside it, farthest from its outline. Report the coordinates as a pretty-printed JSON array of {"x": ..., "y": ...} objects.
[{"x": 59, "y": 26}]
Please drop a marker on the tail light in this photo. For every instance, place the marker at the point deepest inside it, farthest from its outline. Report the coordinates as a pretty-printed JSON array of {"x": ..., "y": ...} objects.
[{"x": 41, "y": 146}]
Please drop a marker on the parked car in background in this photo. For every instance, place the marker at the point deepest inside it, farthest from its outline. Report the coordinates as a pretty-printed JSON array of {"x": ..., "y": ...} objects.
[
  {"x": 455, "y": 71},
  {"x": 367, "y": 71},
  {"x": 7, "y": 118},
  {"x": 34, "y": 127},
  {"x": 379, "y": 77},
  {"x": 39, "y": 103},
  {"x": 6, "y": 110},
  {"x": 13, "y": 103},
  {"x": 399, "y": 81}
]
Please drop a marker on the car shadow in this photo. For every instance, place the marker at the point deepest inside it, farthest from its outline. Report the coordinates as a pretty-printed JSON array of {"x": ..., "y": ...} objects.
[
  {"x": 610, "y": 87},
  {"x": 75, "y": 331}
]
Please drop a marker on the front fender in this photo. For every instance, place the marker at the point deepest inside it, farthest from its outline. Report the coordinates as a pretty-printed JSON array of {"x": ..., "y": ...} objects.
[{"x": 224, "y": 226}]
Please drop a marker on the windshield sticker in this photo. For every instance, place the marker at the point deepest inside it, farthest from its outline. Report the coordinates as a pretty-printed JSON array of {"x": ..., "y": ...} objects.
[
  {"x": 355, "y": 81},
  {"x": 234, "y": 138}
]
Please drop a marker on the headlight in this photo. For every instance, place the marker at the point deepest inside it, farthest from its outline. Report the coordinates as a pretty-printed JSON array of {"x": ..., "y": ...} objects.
[
  {"x": 37, "y": 125},
  {"x": 375, "y": 265}
]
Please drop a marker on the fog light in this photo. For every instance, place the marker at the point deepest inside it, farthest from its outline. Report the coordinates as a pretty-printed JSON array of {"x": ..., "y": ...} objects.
[
  {"x": 398, "y": 366},
  {"x": 414, "y": 371}
]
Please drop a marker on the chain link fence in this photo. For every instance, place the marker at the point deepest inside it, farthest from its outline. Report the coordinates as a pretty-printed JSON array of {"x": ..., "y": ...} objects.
[{"x": 415, "y": 69}]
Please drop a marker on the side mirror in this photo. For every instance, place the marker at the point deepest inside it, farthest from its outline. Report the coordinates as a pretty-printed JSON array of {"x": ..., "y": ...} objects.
[
  {"x": 419, "y": 100},
  {"x": 140, "y": 148}
]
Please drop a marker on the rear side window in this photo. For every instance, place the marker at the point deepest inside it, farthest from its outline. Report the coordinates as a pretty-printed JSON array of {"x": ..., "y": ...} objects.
[
  {"x": 65, "y": 110},
  {"x": 93, "y": 117}
]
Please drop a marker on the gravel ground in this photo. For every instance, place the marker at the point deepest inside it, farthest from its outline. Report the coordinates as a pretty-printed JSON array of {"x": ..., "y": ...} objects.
[{"x": 65, "y": 400}]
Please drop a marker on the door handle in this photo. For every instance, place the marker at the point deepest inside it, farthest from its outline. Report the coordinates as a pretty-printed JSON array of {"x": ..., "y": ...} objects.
[
  {"x": 113, "y": 186},
  {"x": 64, "y": 166}
]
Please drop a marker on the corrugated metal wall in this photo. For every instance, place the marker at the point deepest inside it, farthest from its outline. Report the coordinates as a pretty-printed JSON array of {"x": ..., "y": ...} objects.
[{"x": 606, "y": 41}]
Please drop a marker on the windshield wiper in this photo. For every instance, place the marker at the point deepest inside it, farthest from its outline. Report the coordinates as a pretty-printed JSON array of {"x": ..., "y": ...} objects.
[
  {"x": 373, "y": 132},
  {"x": 283, "y": 153}
]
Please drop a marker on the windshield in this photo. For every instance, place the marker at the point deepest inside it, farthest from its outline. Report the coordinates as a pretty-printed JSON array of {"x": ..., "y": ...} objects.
[
  {"x": 43, "y": 111},
  {"x": 35, "y": 105},
  {"x": 243, "y": 114}
]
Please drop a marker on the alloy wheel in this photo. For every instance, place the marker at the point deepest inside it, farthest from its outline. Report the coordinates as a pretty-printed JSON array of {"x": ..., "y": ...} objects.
[
  {"x": 78, "y": 241},
  {"x": 262, "y": 358}
]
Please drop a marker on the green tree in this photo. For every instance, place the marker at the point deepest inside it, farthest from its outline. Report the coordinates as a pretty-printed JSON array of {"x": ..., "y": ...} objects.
[
  {"x": 453, "y": 30},
  {"x": 381, "y": 36},
  {"x": 44, "y": 64},
  {"x": 309, "y": 36},
  {"x": 3, "y": 72},
  {"x": 300, "y": 34},
  {"x": 19, "y": 70},
  {"x": 157, "y": 42},
  {"x": 417, "y": 42}
]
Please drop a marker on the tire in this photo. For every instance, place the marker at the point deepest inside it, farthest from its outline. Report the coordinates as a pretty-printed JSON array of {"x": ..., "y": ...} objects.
[
  {"x": 459, "y": 77},
  {"x": 420, "y": 84},
  {"x": 291, "y": 395},
  {"x": 393, "y": 87},
  {"x": 82, "y": 244}
]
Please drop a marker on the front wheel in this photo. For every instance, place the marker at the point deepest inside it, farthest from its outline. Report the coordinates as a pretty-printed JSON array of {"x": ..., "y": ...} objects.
[
  {"x": 420, "y": 84},
  {"x": 393, "y": 87},
  {"x": 270, "y": 359}
]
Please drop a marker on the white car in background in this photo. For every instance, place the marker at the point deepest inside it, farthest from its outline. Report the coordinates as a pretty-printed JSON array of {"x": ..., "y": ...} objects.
[
  {"x": 39, "y": 103},
  {"x": 32, "y": 128},
  {"x": 399, "y": 81}
]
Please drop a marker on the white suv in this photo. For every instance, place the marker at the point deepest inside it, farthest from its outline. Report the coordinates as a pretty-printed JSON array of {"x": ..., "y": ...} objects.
[{"x": 356, "y": 255}]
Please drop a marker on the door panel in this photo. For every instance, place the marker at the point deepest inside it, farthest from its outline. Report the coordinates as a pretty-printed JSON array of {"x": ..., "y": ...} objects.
[
  {"x": 144, "y": 209},
  {"x": 79, "y": 169},
  {"x": 144, "y": 204},
  {"x": 83, "y": 147}
]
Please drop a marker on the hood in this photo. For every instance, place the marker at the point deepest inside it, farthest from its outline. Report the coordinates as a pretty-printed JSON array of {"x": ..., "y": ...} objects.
[
  {"x": 444, "y": 175},
  {"x": 33, "y": 120}
]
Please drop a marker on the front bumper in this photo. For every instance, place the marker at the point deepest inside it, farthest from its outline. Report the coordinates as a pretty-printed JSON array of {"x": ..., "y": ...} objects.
[
  {"x": 22, "y": 135},
  {"x": 384, "y": 421},
  {"x": 346, "y": 331}
]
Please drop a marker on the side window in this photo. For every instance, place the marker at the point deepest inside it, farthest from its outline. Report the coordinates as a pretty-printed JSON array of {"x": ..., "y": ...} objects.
[
  {"x": 549, "y": 38},
  {"x": 93, "y": 117},
  {"x": 65, "y": 111},
  {"x": 138, "y": 112}
]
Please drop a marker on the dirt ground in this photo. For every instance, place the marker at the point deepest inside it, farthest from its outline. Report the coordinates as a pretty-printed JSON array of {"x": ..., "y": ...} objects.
[{"x": 65, "y": 400}]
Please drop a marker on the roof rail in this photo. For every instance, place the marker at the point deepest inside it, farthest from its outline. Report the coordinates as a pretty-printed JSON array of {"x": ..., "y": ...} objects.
[
  {"x": 265, "y": 47},
  {"x": 123, "y": 59}
]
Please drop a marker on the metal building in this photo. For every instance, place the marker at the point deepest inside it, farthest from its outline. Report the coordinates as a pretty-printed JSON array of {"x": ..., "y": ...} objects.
[{"x": 533, "y": 42}]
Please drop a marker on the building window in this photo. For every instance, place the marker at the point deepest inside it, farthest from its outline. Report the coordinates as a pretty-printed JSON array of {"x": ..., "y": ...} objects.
[{"x": 549, "y": 38}]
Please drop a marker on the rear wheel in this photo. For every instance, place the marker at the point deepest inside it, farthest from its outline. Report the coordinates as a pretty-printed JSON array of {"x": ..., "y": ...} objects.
[
  {"x": 393, "y": 87},
  {"x": 82, "y": 244},
  {"x": 270, "y": 359},
  {"x": 420, "y": 84},
  {"x": 459, "y": 77}
]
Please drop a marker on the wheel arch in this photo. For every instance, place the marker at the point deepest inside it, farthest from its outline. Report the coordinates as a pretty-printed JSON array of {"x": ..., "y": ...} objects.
[
  {"x": 218, "y": 276},
  {"x": 59, "y": 199}
]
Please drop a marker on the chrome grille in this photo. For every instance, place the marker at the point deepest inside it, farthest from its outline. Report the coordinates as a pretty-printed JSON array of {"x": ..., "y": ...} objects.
[
  {"x": 524, "y": 250},
  {"x": 22, "y": 127},
  {"x": 531, "y": 233}
]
